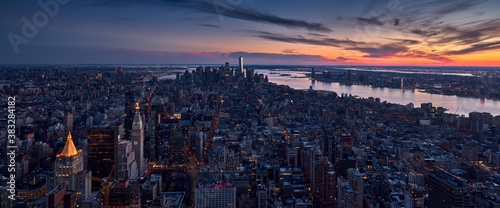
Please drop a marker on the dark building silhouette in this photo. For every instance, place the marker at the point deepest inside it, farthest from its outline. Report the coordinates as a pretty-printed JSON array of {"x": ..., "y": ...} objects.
[
  {"x": 102, "y": 151},
  {"x": 447, "y": 190}
]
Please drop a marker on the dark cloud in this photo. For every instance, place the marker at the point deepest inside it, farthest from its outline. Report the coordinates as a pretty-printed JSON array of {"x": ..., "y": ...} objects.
[
  {"x": 340, "y": 58},
  {"x": 316, "y": 34},
  {"x": 370, "y": 21},
  {"x": 387, "y": 50},
  {"x": 477, "y": 48},
  {"x": 209, "y": 25},
  {"x": 300, "y": 39},
  {"x": 396, "y": 22},
  {"x": 288, "y": 51},
  {"x": 457, "y": 6},
  {"x": 421, "y": 54},
  {"x": 423, "y": 33},
  {"x": 226, "y": 9},
  {"x": 296, "y": 58}
]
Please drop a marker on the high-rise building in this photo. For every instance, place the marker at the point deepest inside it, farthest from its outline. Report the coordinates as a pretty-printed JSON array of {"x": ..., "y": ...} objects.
[
  {"x": 446, "y": 190},
  {"x": 137, "y": 138},
  {"x": 261, "y": 196},
  {"x": 68, "y": 121},
  {"x": 127, "y": 166},
  {"x": 215, "y": 195},
  {"x": 414, "y": 197},
  {"x": 345, "y": 195},
  {"x": 68, "y": 163},
  {"x": 129, "y": 113},
  {"x": 102, "y": 144},
  {"x": 240, "y": 71},
  {"x": 324, "y": 183},
  {"x": 356, "y": 181}
]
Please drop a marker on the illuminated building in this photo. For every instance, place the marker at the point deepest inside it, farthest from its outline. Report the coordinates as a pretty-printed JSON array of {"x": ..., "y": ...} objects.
[
  {"x": 447, "y": 190},
  {"x": 68, "y": 163},
  {"x": 215, "y": 195},
  {"x": 240, "y": 71},
  {"x": 137, "y": 138}
]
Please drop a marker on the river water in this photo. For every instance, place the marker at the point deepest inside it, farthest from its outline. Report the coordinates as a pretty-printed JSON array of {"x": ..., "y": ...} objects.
[{"x": 460, "y": 105}]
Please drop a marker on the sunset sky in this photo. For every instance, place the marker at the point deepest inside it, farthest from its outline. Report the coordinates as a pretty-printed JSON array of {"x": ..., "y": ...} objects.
[{"x": 329, "y": 32}]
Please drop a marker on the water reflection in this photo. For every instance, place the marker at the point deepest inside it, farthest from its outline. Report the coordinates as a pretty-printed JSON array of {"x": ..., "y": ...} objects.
[{"x": 460, "y": 105}]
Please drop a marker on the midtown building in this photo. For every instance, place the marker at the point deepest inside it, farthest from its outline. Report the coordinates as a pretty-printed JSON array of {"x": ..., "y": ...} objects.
[
  {"x": 69, "y": 172},
  {"x": 215, "y": 195},
  {"x": 447, "y": 190},
  {"x": 137, "y": 138}
]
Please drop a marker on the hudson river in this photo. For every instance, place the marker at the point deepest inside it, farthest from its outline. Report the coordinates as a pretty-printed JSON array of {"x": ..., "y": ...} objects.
[{"x": 460, "y": 105}]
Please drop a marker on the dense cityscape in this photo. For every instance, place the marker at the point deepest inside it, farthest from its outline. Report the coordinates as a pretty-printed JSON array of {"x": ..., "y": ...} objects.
[{"x": 98, "y": 136}]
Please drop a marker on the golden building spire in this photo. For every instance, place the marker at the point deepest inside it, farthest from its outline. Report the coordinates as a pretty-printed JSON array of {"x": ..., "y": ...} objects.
[{"x": 69, "y": 148}]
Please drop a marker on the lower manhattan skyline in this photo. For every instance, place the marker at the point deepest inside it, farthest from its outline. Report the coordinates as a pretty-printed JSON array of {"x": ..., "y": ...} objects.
[{"x": 250, "y": 104}]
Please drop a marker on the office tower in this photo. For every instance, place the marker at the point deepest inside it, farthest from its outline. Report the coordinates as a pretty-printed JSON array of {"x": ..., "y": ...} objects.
[
  {"x": 313, "y": 74},
  {"x": 129, "y": 112},
  {"x": 69, "y": 163},
  {"x": 345, "y": 195},
  {"x": 154, "y": 121},
  {"x": 102, "y": 143},
  {"x": 416, "y": 178},
  {"x": 68, "y": 121},
  {"x": 226, "y": 66},
  {"x": 414, "y": 197},
  {"x": 240, "y": 71},
  {"x": 250, "y": 74},
  {"x": 55, "y": 198},
  {"x": 346, "y": 140},
  {"x": 261, "y": 196},
  {"x": 324, "y": 184},
  {"x": 356, "y": 181},
  {"x": 215, "y": 195},
  {"x": 5, "y": 201},
  {"x": 127, "y": 166},
  {"x": 447, "y": 190},
  {"x": 137, "y": 138},
  {"x": 124, "y": 194}
]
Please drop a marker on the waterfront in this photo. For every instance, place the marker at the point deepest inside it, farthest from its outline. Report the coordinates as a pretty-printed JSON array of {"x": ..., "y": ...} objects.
[{"x": 460, "y": 105}]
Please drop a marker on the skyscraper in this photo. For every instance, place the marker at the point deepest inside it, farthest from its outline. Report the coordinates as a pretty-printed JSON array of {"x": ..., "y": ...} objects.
[
  {"x": 345, "y": 195},
  {"x": 447, "y": 190},
  {"x": 68, "y": 163},
  {"x": 137, "y": 138},
  {"x": 356, "y": 181},
  {"x": 240, "y": 71},
  {"x": 215, "y": 195},
  {"x": 129, "y": 112},
  {"x": 127, "y": 166},
  {"x": 324, "y": 183},
  {"x": 102, "y": 144}
]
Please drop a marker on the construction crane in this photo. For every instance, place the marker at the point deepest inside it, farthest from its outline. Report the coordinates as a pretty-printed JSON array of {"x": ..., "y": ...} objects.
[{"x": 105, "y": 182}]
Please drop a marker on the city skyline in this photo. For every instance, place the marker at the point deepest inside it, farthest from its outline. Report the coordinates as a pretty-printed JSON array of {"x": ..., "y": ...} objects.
[{"x": 362, "y": 32}]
